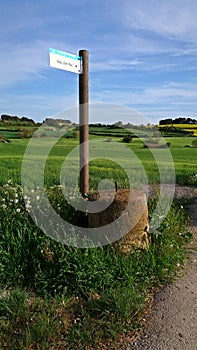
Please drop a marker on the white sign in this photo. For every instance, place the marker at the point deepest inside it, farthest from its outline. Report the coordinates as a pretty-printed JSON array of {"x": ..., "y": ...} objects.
[{"x": 66, "y": 61}]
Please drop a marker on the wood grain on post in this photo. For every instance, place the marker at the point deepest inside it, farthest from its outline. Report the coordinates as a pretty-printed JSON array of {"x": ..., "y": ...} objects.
[{"x": 84, "y": 123}]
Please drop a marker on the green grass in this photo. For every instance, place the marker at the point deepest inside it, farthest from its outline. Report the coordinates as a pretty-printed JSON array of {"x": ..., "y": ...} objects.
[
  {"x": 9, "y": 134},
  {"x": 59, "y": 297},
  {"x": 109, "y": 132},
  {"x": 11, "y": 156}
]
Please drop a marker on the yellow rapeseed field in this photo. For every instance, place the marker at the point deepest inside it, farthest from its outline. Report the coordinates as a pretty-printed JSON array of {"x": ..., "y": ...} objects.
[{"x": 187, "y": 127}]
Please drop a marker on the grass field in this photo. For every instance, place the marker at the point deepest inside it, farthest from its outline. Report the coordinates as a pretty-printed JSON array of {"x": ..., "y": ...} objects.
[
  {"x": 184, "y": 158},
  {"x": 9, "y": 134},
  {"x": 58, "y": 297}
]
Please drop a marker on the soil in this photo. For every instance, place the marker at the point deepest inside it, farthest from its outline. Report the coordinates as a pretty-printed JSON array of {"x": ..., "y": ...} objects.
[{"x": 172, "y": 322}]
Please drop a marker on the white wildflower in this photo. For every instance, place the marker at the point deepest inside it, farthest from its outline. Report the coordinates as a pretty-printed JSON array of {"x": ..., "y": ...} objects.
[
  {"x": 28, "y": 206},
  {"x": 16, "y": 201},
  {"x": 18, "y": 210},
  {"x": 4, "y": 206},
  {"x": 37, "y": 197}
]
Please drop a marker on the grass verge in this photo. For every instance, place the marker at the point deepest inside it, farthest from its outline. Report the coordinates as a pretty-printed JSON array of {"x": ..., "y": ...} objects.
[{"x": 59, "y": 297}]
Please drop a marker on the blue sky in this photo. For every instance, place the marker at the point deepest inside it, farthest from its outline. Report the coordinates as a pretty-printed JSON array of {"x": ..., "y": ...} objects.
[{"x": 143, "y": 54}]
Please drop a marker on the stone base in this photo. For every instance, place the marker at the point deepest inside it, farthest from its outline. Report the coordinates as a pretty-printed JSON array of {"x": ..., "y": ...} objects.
[{"x": 131, "y": 207}]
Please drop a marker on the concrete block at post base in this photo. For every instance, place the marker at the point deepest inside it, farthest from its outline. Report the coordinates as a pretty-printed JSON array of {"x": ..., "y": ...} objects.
[{"x": 129, "y": 209}]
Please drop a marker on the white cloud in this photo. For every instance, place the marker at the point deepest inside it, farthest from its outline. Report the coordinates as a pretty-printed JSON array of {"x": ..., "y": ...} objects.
[
  {"x": 172, "y": 18},
  {"x": 157, "y": 102},
  {"x": 28, "y": 59},
  {"x": 172, "y": 91},
  {"x": 115, "y": 64},
  {"x": 37, "y": 106},
  {"x": 21, "y": 62},
  {"x": 170, "y": 98},
  {"x": 155, "y": 41}
]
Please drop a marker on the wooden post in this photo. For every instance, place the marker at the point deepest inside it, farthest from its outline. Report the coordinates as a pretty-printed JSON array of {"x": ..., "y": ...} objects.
[{"x": 84, "y": 124}]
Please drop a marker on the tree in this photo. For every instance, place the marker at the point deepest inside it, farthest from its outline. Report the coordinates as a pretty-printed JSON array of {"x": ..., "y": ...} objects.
[
  {"x": 119, "y": 123},
  {"x": 25, "y": 133},
  {"x": 127, "y": 139}
]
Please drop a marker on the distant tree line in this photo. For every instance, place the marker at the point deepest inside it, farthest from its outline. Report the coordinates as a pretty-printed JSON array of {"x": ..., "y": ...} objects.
[
  {"x": 15, "y": 119},
  {"x": 180, "y": 120}
]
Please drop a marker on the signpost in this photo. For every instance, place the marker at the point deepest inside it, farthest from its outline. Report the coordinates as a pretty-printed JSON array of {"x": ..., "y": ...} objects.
[
  {"x": 79, "y": 65},
  {"x": 66, "y": 61}
]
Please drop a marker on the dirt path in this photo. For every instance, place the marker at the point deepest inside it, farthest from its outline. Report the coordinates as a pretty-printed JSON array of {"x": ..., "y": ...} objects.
[{"x": 173, "y": 321}]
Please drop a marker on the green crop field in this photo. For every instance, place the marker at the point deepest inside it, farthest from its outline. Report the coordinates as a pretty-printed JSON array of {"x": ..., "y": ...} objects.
[
  {"x": 184, "y": 159},
  {"x": 9, "y": 134}
]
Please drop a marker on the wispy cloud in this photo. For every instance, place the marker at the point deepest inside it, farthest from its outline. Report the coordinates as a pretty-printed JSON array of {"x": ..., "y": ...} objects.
[
  {"x": 143, "y": 30},
  {"x": 170, "y": 99},
  {"x": 172, "y": 18},
  {"x": 167, "y": 99},
  {"x": 115, "y": 65},
  {"x": 36, "y": 106},
  {"x": 21, "y": 62},
  {"x": 142, "y": 54}
]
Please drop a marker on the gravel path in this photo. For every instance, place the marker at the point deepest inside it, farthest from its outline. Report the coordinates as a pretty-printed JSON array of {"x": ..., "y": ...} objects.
[{"x": 173, "y": 321}]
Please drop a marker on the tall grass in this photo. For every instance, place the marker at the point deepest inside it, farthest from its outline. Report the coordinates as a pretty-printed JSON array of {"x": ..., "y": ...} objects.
[{"x": 56, "y": 297}]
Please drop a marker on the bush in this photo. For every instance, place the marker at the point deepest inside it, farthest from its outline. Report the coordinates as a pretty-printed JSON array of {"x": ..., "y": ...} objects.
[
  {"x": 2, "y": 138},
  {"x": 194, "y": 143},
  {"x": 25, "y": 133},
  {"x": 127, "y": 139}
]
